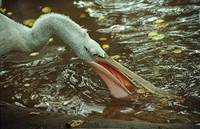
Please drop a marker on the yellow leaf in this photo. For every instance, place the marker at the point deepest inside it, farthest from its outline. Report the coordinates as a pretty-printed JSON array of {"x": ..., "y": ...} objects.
[
  {"x": 3, "y": 10},
  {"x": 50, "y": 40},
  {"x": 155, "y": 36},
  {"x": 29, "y": 22},
  {"x": 9, "y": 13},
  {"x": 75, "y": 123},
  {"x": 158, "y": 37},
  {"x": 100, "y": 18},
  {"x": 34, "y": 113},
  {"x": 160, "y": 24},
  {"x": 103, "y": 39},
  {"x": 177, "y": 51},
  {"x": 158, "y": 21},
  {"x": 105, "y": 46},
  {"x": 89, "y": 10},
  {"x": 115, "y": 57},
  {"x": 46, "y": 9},
  {"x": 34, "y": 54},
  {"x": 152, "y": 34}
]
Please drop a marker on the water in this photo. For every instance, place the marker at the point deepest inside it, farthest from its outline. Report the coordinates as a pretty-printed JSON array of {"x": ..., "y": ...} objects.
[{"x": 57, "y": 81}]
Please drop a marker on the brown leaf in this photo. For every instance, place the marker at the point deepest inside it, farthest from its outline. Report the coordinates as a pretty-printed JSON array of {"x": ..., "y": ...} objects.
[
  {"x": 83, "y": 15},
  {"x": 163, "y": 53}
]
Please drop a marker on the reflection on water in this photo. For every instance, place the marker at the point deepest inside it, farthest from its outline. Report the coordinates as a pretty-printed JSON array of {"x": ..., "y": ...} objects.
[
  {"x": 57, "y": 81},
  {"x": 129, "y": 24}
]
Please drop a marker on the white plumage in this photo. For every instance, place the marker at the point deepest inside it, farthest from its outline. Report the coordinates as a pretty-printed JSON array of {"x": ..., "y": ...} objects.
[{"x": 15, "y": 36}]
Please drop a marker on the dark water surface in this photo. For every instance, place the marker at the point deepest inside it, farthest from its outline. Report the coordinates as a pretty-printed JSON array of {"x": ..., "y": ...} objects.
[{"x": 56, "y": 80}]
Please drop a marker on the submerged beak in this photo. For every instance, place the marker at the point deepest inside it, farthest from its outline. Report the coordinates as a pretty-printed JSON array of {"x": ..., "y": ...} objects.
[{"x": 121, "y": 82}]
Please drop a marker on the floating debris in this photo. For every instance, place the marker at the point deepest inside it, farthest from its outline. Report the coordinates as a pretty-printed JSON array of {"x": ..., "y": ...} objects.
[
  {"x": 177, "y": 51},
  {"x": 34, "y": 54},
  {"x": 160, "y": 24},
  {"x": 9, "y": 13},
  {"x": 103, "y": 39},
  {"x": 3, "y": 10},
  {"x": 29, "y": 22},
  {"x": 82, "y": 15},
  {"x": 163, "y": 53},
  {"x": 46, "y": 10},
  {"x": 105, "y": 46},
  {"x": 152, "y": 34},
  {"x": 155, "y": 36},
  {"x": 19, "y": 104},
  {"x": 75, "y": 123},
  {"x": 127, "y": 110},
  {"x": 141, "y": 91},
  {"x": 115, "y": 57},
  {"x": 50, "y": 40},
  {"x": 101, "y": 18},
  {"x": 27, "y": 84},
  {"x": 159, "y": 21},
  {"x": 89, "y": 10},
  {"x": 158, "y": 37},
  {"x": 34, "y": 113}
]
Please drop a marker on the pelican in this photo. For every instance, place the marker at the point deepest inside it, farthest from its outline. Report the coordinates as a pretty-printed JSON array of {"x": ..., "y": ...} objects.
[{"x": 120, "y": 81}]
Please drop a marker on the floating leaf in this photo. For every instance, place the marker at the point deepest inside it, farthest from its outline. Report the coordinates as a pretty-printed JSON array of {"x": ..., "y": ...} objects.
[
  {"x": 158, "y": 37},
  {"x": 180, "y": 99},
  {"x": 46, "y": 10},
  {"x": 34, "y": 54},
  {"x": 101, "y": 18},
  {"x": 158, "y": 21},
  {"x": 160, "y": 24},
  {"x": 50, "y": 40},
  {"x": 27, "y": 85},
  {"x": 34, "y": 113},
  {"x": 155, "y": 36},
  {"x": 83, "y": 15},
  {"x": 105, "y": 46},
  {"x": 75, "y": 123},
  {"x": 152, "y": 34},
  {"x": 115, "y": 57},
  {"x": 163, "y": 53},
  {"x": 163, "y": 102},
  {"x": 177, "y": 51},
  {"x": 3, "y": 10},
  {"x": 141, "y": 91},
  {"x": 103, "y": 39},
  {"x": 29, "y": 22},
  {"x": 89, "y": 10},
  {"x": 9, "y": 13}
]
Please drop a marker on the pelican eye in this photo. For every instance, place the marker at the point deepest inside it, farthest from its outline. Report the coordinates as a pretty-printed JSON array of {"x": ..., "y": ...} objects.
[{"x": 97, "y": 55}]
